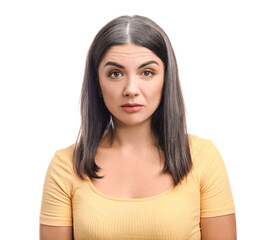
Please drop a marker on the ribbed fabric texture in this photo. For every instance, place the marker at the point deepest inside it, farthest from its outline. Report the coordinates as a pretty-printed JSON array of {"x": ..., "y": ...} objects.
[{"x": 174, "y": 214}]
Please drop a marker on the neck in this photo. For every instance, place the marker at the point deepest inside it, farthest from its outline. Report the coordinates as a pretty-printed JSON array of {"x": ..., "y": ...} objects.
[{"x": 131, "y": 137}]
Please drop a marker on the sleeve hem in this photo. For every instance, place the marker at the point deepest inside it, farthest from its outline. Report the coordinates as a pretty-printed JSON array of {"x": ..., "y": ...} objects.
[
  {"x": 218, "y": 213},
  {"x": 55, "y": 221}
]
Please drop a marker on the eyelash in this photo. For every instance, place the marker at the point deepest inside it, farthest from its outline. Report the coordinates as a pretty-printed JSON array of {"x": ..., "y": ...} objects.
[
  {"x": 152, "y": 73},
  {"x": 112, "y": 72}
]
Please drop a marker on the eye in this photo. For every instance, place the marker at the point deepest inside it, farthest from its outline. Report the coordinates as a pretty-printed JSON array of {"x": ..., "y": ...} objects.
[
  {"x": 148, "y": 73},
  {"x": 114, "y": 74}
]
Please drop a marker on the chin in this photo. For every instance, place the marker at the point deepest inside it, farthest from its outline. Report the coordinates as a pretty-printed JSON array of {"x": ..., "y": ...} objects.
[{"x": 129, "y": 121}]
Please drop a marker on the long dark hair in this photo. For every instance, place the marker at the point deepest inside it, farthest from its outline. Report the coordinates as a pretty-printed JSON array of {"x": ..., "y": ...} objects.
[{"x": 168, "y": 121}]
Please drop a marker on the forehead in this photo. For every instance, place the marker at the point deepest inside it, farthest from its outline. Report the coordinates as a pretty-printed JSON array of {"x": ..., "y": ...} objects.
[{"x": 129, "y": 51}]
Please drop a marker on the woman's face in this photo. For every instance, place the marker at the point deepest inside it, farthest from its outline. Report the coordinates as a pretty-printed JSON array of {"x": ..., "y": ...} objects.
[{"x": 131, "y": 74}]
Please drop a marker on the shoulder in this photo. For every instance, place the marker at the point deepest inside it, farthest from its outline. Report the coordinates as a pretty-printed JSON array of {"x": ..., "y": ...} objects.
[
  {"x": 211, "y": 175},
  {"x": 66, "y": 154},
  {"x": 200, "y": 146},
  {"x": 58, "y": 190},
  {"x": 205, "y": 155},
  {"x": 62, "y": 161}
]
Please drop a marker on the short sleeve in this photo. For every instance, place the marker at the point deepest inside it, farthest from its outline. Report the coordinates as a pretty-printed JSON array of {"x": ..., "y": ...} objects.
[
  {"x": 215, "y": 191},
  {"x": 56, "y": 205}
]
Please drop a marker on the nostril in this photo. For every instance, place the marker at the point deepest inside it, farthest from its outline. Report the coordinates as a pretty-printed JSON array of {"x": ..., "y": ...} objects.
[{"x": 128, "y": 92}]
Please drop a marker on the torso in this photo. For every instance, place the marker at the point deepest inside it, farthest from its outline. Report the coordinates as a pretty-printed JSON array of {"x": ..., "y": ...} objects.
[{"x": 131, "y": 175}]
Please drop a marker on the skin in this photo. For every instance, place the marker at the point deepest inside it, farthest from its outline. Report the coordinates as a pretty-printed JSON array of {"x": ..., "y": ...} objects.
[
  {"x": 55, "y": 233},
  {"x": 131, "y": 73},
  {"x": 134, "y": 83},
  {"x": 219, "y": 228}
]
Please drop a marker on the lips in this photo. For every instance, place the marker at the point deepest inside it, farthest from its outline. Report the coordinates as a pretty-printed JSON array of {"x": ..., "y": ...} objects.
[{"x": 131, "y": 105}]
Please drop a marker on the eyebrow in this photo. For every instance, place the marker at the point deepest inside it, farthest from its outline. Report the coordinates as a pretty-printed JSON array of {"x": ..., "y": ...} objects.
[{"x": 122, "y": 67}]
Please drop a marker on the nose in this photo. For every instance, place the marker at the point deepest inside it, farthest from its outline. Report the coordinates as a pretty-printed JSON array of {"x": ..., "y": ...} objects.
[{"x": 131, "y": 88}]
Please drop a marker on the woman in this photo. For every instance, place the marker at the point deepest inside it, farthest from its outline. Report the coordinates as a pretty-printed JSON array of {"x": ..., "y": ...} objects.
[{"x": 154, "y": 180}]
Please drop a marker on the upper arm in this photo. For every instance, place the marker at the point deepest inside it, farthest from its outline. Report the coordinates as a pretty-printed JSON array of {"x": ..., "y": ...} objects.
[
  {"x": 217, "y": 206},
  {"x": 55, "y": 233},
  {"x": 219, "y": 228},
  {"x": 215, "y": 191},
  {"x": 56, "y": 205}
]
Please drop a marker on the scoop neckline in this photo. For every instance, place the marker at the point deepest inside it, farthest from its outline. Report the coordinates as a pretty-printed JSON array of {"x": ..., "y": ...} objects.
[{"x": 103, "y": 195}]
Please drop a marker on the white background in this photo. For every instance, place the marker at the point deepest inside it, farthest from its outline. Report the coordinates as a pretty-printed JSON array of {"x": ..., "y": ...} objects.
[{"x": 223, "y": 58}]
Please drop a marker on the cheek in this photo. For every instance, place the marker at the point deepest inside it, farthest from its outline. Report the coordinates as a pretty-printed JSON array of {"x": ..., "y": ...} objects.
[
  {"x": 110, "y": 95},
  {"x": 107, "y": 90},
  {"x": 155, "y": 91}
]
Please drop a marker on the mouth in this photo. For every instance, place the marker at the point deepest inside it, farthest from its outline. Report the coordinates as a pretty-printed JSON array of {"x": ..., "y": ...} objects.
[
  {"x": 132, "y": 109},
  {"x": 131, "y": 105}
]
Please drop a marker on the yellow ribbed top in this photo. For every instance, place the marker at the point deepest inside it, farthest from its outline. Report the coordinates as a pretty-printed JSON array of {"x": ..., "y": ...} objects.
[{"x": 174, "y": 214}]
